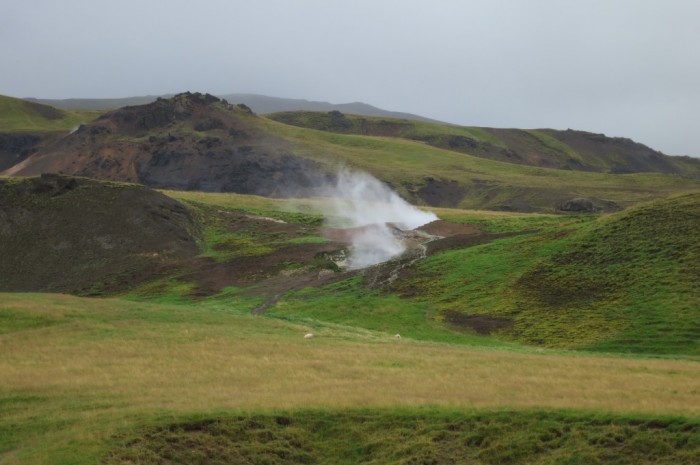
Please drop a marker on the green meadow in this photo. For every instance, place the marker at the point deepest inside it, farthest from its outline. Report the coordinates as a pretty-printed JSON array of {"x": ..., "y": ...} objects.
[{"x": 90, "y": 380}]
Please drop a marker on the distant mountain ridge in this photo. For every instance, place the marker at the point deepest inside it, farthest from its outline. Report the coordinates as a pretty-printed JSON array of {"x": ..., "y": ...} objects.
[{"x": 260, "y": 104}]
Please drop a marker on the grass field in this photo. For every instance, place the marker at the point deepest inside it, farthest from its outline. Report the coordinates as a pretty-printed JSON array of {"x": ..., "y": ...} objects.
[{"x": 82, "y": 375}]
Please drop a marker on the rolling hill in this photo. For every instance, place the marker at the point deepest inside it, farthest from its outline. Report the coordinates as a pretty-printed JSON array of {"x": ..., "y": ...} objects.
[
  {"x": 190, "y": 141},
  {"x": 569, "y": 150},
  {"x": 625, "y": 282},
  {"x": 198, "y": 142},
  {"x": 21, "y": 115}
]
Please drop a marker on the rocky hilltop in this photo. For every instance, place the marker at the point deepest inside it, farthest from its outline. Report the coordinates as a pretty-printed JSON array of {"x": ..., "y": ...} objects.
[{"x": 192, "y": 141}]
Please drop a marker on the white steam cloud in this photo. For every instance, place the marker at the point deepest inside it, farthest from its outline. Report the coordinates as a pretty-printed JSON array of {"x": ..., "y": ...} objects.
[{"x": 371, "y": 215}]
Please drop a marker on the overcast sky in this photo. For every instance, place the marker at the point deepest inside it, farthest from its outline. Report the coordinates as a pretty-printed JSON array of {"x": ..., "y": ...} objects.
[{"x": 628, "y": 68}]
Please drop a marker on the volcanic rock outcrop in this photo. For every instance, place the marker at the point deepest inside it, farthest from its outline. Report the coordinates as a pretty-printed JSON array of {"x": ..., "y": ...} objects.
[{"x": 189, "y": 142}]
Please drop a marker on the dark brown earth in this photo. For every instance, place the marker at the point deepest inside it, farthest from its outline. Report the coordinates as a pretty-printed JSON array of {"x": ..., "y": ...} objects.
[
  {"x": 481, "y": 324},
  {"x": 16, "y": 147},
  {"x": 266, "y": 272},
  {"x": 448, "y": 229},
  {"x": 75, "y": 235},
  {"x": 441, "y": 193}
]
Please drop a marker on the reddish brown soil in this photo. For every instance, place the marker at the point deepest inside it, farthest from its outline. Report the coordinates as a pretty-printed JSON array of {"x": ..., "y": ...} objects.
[
  {"x": 211, "y": 277},
  {"x": 448, "y": 229}
]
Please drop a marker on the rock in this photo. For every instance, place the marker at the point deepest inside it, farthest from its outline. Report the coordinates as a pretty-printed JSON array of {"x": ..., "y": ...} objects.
[{"x": 578, "y": 205}]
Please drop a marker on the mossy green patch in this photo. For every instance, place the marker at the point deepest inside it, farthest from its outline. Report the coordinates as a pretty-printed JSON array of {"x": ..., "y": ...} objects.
[
  {"x": 430, "y": 437},
  {"x": 222, "y": 246}
]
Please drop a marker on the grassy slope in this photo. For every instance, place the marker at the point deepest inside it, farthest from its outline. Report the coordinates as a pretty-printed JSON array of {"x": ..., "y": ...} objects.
[
  {"x": 368, "y": 125},
  {"x": 405, "y": 164},
  {"x": 640, "y": 268},
  {"x": 82, "y": 376},
  {"x": 533, "y": 146},
  {"x": 20, "y": 115},
  {"x": 623, "y": 283}
]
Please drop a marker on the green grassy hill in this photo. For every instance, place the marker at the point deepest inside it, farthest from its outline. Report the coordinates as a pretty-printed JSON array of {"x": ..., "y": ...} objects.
[
  {"x": 22, "y": 115},
  {"x": 625, "y": 282},
  {"x": 569, "y": 150},
  {"x": 440, "y": 177},
  {"x": 639, "y": 268}
]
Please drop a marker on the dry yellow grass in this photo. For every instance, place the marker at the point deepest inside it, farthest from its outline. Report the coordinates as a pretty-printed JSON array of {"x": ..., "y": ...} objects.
[{"x": 144, "y": 357}]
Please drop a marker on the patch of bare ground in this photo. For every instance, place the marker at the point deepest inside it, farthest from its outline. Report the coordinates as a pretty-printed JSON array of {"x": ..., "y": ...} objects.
[
  {"x": 284, "y": 269},
  {"x": 481, "y": 324},
  {"x": 447, "y": 229}
]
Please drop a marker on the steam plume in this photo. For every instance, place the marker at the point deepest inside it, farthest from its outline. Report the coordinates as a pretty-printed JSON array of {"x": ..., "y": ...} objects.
[{"x": 372, "y": 214}]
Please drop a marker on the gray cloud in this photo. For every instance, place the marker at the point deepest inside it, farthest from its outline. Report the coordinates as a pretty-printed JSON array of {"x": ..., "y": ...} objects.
[{"x": 623, "y": 67}]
